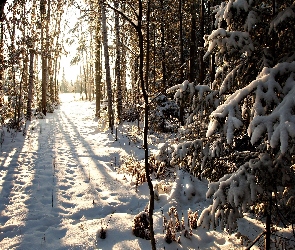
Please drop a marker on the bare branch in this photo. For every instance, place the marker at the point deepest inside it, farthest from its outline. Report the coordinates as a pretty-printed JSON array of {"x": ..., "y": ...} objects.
[{"x": 123, "y": 15}]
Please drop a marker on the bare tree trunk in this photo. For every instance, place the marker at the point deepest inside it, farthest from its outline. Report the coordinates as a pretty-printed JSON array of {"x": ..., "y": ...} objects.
[
  {"x": 147, "y": 60},
  {"x": 31, "y": 84},
  {"x": 107, "y": 67},
  {"x": 146, "y": 127},
  {"x": 201, "y": 52},
  {"x": 193, "y": 45},
  {"x": 55, "y": 79},
  {"x": 212, "y": 57},
  {"x": 97, "y": 70},
  {"x": 181, "y": 108},
  {"x": 117, "y": 65},
  {"x": 163, "y": 47},
  {"x": 44, "y": 57},
  {"x": 49, "y": 58},
  {"x": 138, "y": 27},
  {"x": 154, "y": 57},
  {"x": 81, "y": 83},
  {"x": 181, "y": 40},
  {"x": 85, "y": 69},
  {"x": 2, "y": 4}
]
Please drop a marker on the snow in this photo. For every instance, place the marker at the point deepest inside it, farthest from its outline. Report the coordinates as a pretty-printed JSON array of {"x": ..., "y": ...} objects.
[
  {"x": 279, "y": 124},
  {"x": 59, "y": 186},
  {"x": 228, "y": 41},
  {"x": 281, "y": 17}
]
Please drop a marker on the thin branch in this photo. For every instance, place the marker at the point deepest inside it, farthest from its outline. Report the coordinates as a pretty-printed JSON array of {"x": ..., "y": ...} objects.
[
  {"x": 123, "y": 15},
  {"x": 257, "y": 238},
  {"x": 133, "y": 10}
]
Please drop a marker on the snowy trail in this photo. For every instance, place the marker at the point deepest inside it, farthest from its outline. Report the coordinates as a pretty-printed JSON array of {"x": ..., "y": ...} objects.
[{"x": 58, "y": 185}]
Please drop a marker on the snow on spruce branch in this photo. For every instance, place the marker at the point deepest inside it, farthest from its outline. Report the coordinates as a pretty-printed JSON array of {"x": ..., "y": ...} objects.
[
  {"x": 233, "y": 194},
  {"x": 281, "y": 17},
  {"x": 229, "y": 42},
  {"x": 199, "y": 97},
  {"x": 224, "y": 10},
  {"x": 272, "y": 110}
]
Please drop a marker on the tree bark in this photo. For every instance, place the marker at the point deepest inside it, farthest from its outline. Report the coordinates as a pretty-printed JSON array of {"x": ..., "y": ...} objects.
[
  {"x": 2, "y": 4},
  {"x": 181, "y": 40},
  {"x": 31, "y": 84},
  {"x": 193, "y": 45},
  {"x": 181, "y": 108},
  {"x": 201, "y": 52},
  {"x": 147, "y": 60},
  {"x": 97, "y": 70},
  {"x": 107, "y": 66},
  {"x": 163, "y": 50},
  {"x": 146, "y": 128},
  {"x": 44, "y": 56},
  {"x": 117, "y": 65},
  {"x": 138, "y": 28}
]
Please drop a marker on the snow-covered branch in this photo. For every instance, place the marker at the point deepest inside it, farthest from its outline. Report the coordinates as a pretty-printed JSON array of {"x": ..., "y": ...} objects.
[
  {"x": 233, "y": 194},
  {"x": 272, "y": 109},
  {"x": 229, "y": 42}
]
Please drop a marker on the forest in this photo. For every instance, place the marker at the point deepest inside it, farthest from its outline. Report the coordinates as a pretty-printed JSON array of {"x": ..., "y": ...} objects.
[{"x": 217, "y": 75}]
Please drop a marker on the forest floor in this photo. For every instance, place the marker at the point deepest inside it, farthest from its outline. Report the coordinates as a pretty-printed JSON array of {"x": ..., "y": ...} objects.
[{"x": 59, "y": 185}]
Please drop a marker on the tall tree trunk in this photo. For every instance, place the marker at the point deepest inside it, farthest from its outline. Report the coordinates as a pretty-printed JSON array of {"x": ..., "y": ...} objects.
[
  {"x": 97, "y": 70},
  {"x": 154, "y": 57},
  {"x": 146, "y": 127},
  {"x": 49, "y": 58},
  {"x": 147, "y": 60},
  {"x": 44, "y": 56},
  {"x": 85, "y": 72},
  {"x": 107, "y": 66},
  {"x": 117, "y": 65},
  {"x": 273, "y": 34},
  {"x": 212, "y": 57},
  {"x": 55, "y": 78},
  {"x": 201, "y": 52},
  {"x": 181, "y": 108},
  {"x": 181, "y": 40},
  {"x": 193, "y": 45},
  {"x": 2, "y": 4},
  {"x": 31, "y": 84},
  {"x": 81, "y": 83},
  {"x": 163, "y": 49},
  {"x": 138, "y": 27}
]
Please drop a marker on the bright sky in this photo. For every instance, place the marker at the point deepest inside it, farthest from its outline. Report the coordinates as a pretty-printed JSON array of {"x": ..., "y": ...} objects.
[{"x": 71, "y": 71}]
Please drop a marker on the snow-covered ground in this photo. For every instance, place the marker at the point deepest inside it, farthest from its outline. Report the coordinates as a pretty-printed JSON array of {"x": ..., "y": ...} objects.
[{"x": 59, "y": 185}]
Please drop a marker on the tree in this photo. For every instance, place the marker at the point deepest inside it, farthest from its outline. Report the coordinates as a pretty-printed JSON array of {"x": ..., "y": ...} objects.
[
  {"x": 97, "y": 69},
  {"x": 118, "y": 65},
  {"x": 251, "y": 94},
  {"x": 44, "y": 50},
  {"x": 2, "y": 4},
  {"x": 107, "y": 66},
  {"x": 138, "y": 27}
]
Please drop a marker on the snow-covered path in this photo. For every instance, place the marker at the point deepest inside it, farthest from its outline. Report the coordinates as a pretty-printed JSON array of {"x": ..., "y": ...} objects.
[
  {"x": 59, "y": 183},
  {"x": 59, "y": 186}
]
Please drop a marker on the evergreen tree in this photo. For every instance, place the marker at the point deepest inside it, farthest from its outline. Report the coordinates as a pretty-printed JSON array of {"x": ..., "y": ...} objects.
[{"x": 250, "y": 101}]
